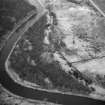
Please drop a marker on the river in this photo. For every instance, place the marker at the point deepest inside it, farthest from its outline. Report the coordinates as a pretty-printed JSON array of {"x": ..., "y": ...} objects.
[{"x": 30, "y": 93}]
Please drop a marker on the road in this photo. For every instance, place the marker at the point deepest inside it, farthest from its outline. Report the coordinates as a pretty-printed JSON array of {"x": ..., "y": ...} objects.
[{"x": 27, "y": 92}]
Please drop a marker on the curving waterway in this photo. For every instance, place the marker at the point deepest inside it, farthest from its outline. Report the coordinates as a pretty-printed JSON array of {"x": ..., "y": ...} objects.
[{"x": 30, "y": 93}]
